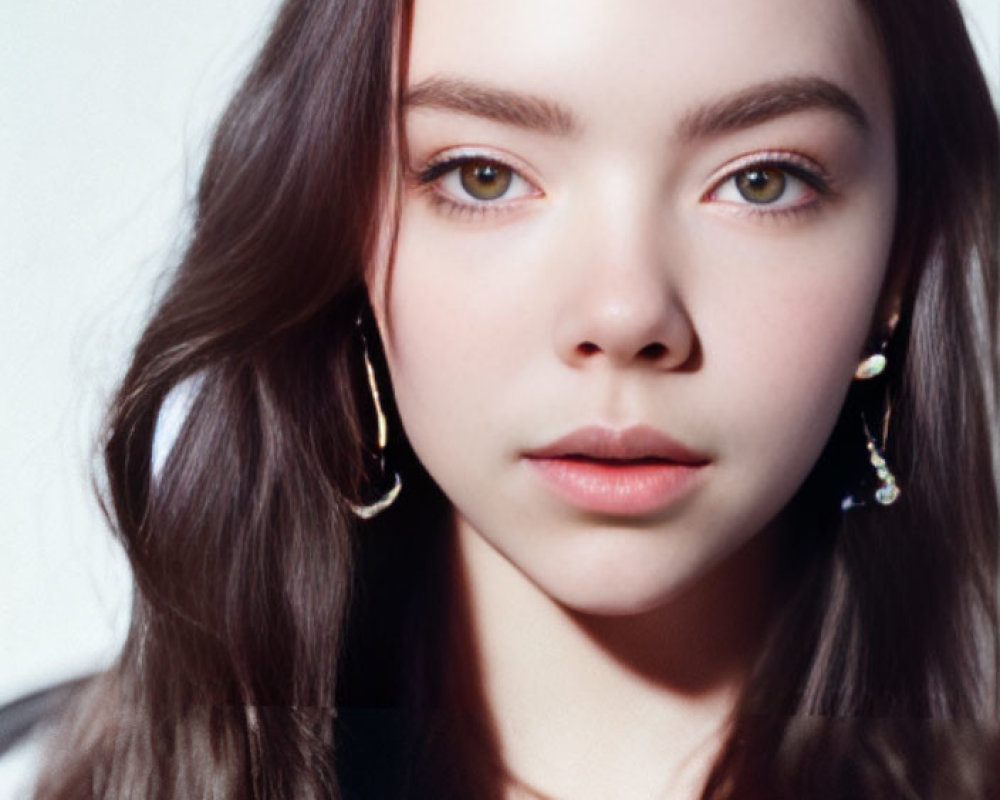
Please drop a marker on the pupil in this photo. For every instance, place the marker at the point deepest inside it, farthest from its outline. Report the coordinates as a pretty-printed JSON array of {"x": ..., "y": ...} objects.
[{"x": 486, "y": 174}]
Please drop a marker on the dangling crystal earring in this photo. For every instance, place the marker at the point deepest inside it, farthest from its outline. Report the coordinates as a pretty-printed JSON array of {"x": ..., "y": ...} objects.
[
  {"x": 370, "y": 510},
  {"x": 888, "y": 491}
]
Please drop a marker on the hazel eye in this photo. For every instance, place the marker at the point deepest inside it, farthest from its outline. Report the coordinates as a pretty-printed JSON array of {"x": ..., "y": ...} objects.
[
  {"x": 485, "y": 180},
  {"x": 476, "y": 183},
  {"x": 761, "y": 185},
  {"x": 778, "y": 186}
]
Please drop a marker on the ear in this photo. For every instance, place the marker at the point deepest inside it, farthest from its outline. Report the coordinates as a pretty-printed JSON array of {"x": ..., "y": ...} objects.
[
  {"x": 887, "y": 318},
  {"x": 378, "y": 273},
  {"x": 382, "y": 256},
  {"x": 378, "y": 270},
  {"x": 890, "y": 302}
]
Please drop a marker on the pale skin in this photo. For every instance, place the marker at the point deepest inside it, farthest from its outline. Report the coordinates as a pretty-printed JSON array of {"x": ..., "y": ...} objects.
[{"x": 621, "y": 278}]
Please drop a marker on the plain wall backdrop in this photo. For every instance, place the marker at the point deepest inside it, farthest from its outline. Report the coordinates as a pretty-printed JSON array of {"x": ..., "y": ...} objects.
[{"x": 105, "y": 112}]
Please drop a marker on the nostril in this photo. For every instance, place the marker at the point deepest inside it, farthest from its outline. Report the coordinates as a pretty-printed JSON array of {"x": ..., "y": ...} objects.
[
  {"x": 588, "y": 348},
  {"x": 653, "y": 352}
]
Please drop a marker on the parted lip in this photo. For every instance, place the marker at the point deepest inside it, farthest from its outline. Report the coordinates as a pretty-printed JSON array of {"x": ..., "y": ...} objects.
[{"x": 637, "y": 443}]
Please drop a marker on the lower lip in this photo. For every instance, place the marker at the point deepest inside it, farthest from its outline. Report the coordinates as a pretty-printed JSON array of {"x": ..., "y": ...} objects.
[{"x": 621, "y": 489}]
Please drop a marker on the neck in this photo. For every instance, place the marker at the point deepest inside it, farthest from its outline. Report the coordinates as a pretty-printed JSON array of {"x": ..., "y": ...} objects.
[{"x": 588, "y": 706}]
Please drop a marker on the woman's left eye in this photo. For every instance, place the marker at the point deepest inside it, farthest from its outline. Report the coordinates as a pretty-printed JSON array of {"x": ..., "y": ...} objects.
[
  {"x": 475, "y": 181},
  {"x": 769, "y": 187}
]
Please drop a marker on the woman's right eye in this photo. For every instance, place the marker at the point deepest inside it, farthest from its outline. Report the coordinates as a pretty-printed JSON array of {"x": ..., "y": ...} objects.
[{"x": 476, "y": 183}]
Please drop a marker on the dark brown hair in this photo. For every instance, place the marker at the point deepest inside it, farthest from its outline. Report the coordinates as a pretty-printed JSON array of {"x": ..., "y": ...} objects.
[{"x": 879, "y": 677}]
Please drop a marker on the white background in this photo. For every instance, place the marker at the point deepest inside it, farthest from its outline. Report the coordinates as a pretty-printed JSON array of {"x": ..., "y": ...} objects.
[{"x": 105, "y": 109}]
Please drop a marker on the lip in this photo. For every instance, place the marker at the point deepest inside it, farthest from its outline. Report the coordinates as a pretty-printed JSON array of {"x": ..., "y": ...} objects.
[{"x": 629, "y": 472}]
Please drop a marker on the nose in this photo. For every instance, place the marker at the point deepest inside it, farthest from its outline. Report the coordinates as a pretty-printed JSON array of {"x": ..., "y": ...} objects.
[{"x": 625, "y": 310}]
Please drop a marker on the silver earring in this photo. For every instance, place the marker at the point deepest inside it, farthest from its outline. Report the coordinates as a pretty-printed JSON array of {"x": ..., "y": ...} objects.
[
  {"x": 874, "y": 365},
  {"x": 888, "y": 490},
  {"x": 369, "y": 510},
  {"x": 870, "y": 367}
]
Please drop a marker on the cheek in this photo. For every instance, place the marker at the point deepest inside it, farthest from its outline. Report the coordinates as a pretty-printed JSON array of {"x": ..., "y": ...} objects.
[
  {"x": 787, "y": 336},
  {"x": 457, "y": 337}
]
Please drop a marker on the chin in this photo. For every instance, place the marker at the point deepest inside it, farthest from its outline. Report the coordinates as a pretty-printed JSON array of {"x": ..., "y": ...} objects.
[
  {"x": 619, "y": 587},
  {"x": 614, "y": 604},
  {"x": 632, "y": 575}
]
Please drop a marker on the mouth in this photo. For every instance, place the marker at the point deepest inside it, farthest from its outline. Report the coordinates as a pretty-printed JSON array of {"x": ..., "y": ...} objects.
[{"x": 632, "y": 472}]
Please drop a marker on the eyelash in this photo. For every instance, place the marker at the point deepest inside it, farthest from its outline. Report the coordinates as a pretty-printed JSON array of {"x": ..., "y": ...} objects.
[
  {"x": 429, "y": 178},
  {"x": 798, "y": 167}
]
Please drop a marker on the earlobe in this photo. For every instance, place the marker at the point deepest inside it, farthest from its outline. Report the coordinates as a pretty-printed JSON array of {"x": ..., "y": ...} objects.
[
  {"x": 890, "y": 302},
  {"x": 375, "y": 297},
  {"x": 891, "y": 320},
  {"x": 376, "y": 278}
]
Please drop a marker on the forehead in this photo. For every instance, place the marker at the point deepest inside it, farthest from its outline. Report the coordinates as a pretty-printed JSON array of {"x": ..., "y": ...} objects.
[{"x": 623, "y": 63}]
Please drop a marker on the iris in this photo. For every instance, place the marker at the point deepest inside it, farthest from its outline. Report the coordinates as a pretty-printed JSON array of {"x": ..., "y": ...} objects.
[
  {"x": 485, "y": 180},
  {"x": 761, "y": 184}
]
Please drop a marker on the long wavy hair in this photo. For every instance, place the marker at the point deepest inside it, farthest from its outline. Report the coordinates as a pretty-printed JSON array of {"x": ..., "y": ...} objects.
[{"x": 263, "y": 608}]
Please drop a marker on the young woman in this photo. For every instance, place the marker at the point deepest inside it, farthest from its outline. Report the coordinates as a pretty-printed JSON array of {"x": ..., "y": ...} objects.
[{"x": 576, "y": 400}]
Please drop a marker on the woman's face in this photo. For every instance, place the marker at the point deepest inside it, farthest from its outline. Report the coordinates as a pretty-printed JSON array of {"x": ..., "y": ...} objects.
[{"x": 658, "y": 228}]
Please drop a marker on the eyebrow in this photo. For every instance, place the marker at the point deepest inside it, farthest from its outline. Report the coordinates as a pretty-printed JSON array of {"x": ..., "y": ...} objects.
[
  {"x": 499, "y": 105},
  {"x": 742, "y": 109},
  {"x": 766, "y": 101}
]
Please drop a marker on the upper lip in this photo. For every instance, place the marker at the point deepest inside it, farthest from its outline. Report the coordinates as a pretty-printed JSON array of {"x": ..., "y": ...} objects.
[{"x": 627, "y": 444}]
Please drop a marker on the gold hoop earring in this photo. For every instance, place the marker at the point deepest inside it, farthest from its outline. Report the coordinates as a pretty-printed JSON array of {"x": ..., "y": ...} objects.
[{"x": 369, "y": 510}]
